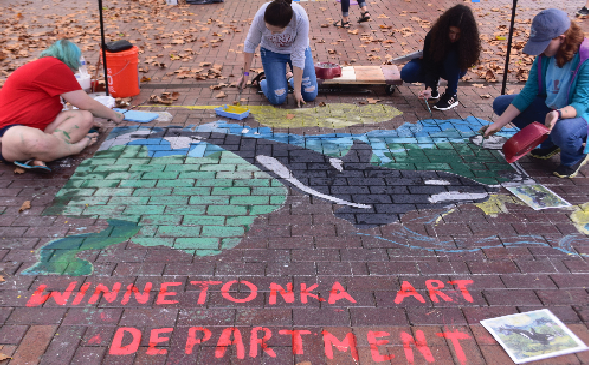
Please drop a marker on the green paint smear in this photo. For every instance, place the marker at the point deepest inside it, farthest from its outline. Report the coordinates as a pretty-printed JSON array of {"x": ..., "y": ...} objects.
[
  {"x": 217, "y": 207},
  {"x": 467, "y": 160},
  {"x": 59, "y": 256}
]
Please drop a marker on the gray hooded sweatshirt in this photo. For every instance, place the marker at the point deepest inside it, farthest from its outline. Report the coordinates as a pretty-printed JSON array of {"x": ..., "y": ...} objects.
[{"x": 294, "y": 40}]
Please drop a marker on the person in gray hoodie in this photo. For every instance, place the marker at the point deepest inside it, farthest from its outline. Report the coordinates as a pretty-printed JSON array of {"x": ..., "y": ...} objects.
[{"x": 282, "y": 28}]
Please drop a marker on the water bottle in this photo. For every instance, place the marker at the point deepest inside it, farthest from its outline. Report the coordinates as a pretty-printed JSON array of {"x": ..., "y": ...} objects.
[
  {"x": 83, "y": 66},
  {"x": 82, "y": 75}
]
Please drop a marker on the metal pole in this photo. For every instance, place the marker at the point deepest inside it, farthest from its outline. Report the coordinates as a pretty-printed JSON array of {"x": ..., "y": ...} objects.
[
  {"x": 508, "y": 47},
  {"x": 103, "y": 45}
]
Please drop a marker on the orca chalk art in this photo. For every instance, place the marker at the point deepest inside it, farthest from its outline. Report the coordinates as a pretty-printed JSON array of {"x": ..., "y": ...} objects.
[{"x": 199, "y": 189}]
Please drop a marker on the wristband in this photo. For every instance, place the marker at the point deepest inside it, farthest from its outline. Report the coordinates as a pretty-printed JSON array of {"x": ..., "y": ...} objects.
[{"x": 246, "y": 74}]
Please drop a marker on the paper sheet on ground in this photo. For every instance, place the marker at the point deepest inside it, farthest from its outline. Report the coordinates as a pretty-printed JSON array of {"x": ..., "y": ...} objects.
[
  {"x": 533, "y": 336},
  {"x": 538, "y": 196}
]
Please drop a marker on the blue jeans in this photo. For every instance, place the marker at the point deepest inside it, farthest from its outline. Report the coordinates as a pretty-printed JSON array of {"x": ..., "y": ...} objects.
[
  {"x": 414, "y": 72},
  {"x": 568, "y": 134},
  {"x": 345, "y": 4},
  {"x": 275, "y": 86}
]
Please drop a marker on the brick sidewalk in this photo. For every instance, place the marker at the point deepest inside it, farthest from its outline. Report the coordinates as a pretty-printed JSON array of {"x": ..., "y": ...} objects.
[{"x": 178, "y": 245}]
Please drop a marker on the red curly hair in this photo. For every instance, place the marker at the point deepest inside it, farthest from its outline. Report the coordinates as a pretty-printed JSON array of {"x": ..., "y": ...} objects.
[{"x": 574, "y": 36}]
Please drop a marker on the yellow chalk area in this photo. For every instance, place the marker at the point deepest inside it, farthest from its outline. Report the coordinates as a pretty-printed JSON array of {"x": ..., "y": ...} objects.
[
  {"x": 495, "y": 205},
  {"x": 441, "y": 216},
  {"x": 336, "y": 115},
  {"x": 580, "y": 218}
]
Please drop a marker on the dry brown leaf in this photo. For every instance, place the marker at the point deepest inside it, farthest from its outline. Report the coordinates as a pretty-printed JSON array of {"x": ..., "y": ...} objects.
[
  {"x": 486, "y": 96},
  {"x": 510, "y": 92},
  {"x": 322, "y": 104},
  {"x": 19, "y": 170},
  {"x": 4, "y": 357},
  {"x": 221, "y": 95},
  {"x": 290, "y": 116},
  {"x": 372, "y": 101},
  {"x": 1, "y": 278},
  {"x": 145, "y": 79},
  {"x": 480, "y": 86},
  {"x": 324, "y": 25},
  {"x": 26, "y": 205}
]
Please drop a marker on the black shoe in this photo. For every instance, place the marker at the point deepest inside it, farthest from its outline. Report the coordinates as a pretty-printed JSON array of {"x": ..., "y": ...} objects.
[
  {"x": 583, "y": 12},
  {"x": 545, "y": 153},
  {"x": 435, "y": 94},
  {"x": 446, "y": 102},
  {"x": 570, "y": 171}
]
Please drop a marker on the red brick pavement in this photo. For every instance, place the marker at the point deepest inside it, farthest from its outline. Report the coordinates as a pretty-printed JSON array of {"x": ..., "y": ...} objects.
[{"x": 301, "y": 244}]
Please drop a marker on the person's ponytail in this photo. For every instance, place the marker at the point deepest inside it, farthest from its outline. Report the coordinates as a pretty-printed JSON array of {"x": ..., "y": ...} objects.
[{"x": 279, "y": 13}]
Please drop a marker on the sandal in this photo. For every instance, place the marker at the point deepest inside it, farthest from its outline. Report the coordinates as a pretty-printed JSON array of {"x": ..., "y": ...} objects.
[
  {"x": 363, "y": 18},
  {"x": 342, "y": 24},
  {"x": 28, "y": 165}
]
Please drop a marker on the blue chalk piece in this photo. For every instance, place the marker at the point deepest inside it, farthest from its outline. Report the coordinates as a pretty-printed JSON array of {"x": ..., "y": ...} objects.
[{"x": 137, "y": 116}]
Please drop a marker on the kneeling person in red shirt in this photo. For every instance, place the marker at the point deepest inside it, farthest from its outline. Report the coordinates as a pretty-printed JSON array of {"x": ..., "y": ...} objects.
[{"x": 33, "y": 127}]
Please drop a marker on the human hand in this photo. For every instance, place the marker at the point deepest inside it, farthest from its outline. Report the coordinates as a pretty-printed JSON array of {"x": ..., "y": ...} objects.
[
  {"x": 551, "y": 119},
  {"x": 119, "y": 117},
  {"x": 241, "y": 82},
  {"x": 425, "y": 94},
  {"x": 489, "y": 130},
  {"x": 298, "y": 98}
]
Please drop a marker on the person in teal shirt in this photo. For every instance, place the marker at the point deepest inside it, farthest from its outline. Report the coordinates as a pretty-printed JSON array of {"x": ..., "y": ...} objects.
[{"x": 556, "y": 93}]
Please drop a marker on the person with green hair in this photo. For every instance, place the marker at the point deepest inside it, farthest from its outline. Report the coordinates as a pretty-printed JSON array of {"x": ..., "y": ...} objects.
[{"x": 33, "y": 127}]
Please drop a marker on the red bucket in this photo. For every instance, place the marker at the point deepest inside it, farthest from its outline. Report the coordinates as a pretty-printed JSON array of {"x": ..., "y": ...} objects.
[
  {"x": 123, "y": 73},
  {"x": 524, "y": 141}
]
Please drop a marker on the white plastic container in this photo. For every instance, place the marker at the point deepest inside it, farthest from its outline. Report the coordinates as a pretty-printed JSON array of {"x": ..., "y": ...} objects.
[
  {"x": 83, "y": 80},
  {"x": 107, "y": 101}
]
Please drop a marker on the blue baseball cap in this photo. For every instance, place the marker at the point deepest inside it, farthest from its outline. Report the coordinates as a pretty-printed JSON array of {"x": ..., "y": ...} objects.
[{"x": 548, "y": 24}]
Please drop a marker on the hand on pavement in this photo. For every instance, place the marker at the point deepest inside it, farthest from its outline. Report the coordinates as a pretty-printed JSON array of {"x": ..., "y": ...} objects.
[
  {"x": 298, "y": 98},
  {"x": 425, "y": 94}
]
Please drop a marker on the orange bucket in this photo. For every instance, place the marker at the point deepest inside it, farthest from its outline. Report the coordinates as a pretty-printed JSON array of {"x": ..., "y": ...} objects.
[{"x": 123, "y": 73}]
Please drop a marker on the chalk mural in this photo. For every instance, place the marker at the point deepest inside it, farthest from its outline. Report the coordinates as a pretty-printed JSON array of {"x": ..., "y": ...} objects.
[{"x": 200, "y": 188}]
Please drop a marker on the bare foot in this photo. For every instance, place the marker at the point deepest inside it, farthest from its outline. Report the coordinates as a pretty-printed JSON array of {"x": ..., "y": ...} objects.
[{"x": 38, "y": 163}]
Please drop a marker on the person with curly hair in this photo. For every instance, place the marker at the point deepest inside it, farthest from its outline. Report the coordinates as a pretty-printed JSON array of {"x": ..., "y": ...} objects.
[
  {"x": 449, "y": 49},
  {"x": 557, "y": 92},
  {"x": 282, "y": 28},
  {"x": 345, "y": 5}
]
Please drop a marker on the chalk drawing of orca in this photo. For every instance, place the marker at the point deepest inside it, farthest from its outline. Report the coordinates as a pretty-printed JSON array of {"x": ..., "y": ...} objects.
[{"x": 371, "y": 196}]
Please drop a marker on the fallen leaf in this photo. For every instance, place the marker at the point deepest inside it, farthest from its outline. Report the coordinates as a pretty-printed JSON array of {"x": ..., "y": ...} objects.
[
  {"x": 243, "y": 99},
  {"x": 26, "y": 205},
  {"x": 1, "y": 278},
  {"x": 19, "y": 170},
  {"x": 221, "y": 95},
  {"x": 305, "y": 363},
  {"x": 510, "y": 92},
  {"x": 4, "y": 357},
  {"x": 372, "y": 101},
  {"x": 145, "y": 79},
  {"x": 322, "y": 104},
  {"x": 324, "y": 25},
  {"x": 486, "y": 96},
  {"x": 290, "y": 116},
  {"x": 480, "y": 86}
]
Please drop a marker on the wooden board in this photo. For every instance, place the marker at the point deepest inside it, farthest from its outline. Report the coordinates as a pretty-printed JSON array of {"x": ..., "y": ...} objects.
[{"x": 367, "y": 75}]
